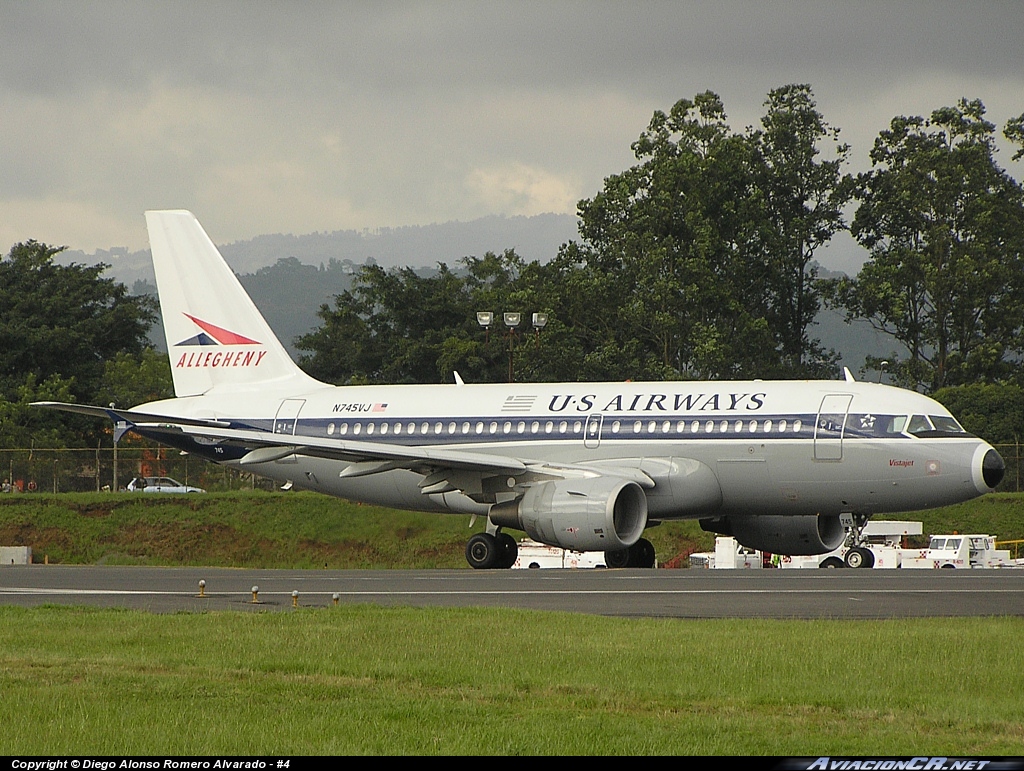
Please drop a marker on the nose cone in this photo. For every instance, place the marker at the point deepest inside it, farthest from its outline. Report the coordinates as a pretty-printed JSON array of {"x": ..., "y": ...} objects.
[{"x": 992, "y": 469}]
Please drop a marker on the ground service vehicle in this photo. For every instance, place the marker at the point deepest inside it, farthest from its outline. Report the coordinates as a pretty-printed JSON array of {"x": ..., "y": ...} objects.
[
  {"x": 729, "y": 554},
  {"x": 533, "y": 554},
  {"x": 960, "y": 552}
]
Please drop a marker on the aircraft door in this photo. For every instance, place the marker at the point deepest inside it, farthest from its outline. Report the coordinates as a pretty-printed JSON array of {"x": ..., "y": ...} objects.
[
  {"x": 287, "y": 416},
  {"x": 592, "y": 431},
  {"x": 829, "y": 428}
]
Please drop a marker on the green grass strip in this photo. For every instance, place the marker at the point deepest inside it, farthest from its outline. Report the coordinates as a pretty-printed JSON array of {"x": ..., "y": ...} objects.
[{"x": 364, "y": 679}]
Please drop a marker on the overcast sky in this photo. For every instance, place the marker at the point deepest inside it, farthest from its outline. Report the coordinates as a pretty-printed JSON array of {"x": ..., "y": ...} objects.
[{"x": 294, "y": 117}]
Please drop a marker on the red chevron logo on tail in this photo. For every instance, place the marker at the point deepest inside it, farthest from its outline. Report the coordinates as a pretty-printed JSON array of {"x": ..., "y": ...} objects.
[{"x": 216, "y": 335}]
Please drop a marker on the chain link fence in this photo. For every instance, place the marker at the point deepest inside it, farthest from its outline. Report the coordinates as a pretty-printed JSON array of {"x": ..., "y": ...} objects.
[
  {"x": 104, "y": 468},
  {"x": 107, "y": 468}
]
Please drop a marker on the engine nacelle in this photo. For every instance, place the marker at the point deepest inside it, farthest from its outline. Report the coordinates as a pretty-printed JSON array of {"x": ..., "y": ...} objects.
[
  {"x": 782, "y": 534},
  {"x": 594, "y": 514}
]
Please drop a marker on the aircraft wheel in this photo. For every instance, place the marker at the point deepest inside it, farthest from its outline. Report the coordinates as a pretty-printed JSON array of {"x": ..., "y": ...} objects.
[
  {"x": 643, "y": 554},
  {"x": 832, "y": 562},
  {"x": 508, "y": 550},
  {"x": 949, "y": 566},
  {"x": 617, "y": 559},
  {"x": 482, "y": 551},
  {"x": 860, "y": 558}
]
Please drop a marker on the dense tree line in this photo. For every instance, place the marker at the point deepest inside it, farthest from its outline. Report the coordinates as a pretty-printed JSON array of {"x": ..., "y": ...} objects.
[{"x": 68, "y": 334}]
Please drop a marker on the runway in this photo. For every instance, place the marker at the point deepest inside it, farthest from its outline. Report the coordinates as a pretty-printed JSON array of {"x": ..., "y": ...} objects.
[{"x": 810, "y": 594}]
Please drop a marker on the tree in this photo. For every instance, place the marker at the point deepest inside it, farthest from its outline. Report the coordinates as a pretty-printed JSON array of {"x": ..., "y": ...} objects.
[
  {"x": 803, "y": 196},
  {"x": 392, "y": 327},
  {"x": 130, "y": 380},
  {"x": 993, "y": 411},
  {"x": 710, "y": 240},
  {"x": 60, "y": 325},
  {"x": 945, "y": 228},
  {"x": 664, "y": 279}
]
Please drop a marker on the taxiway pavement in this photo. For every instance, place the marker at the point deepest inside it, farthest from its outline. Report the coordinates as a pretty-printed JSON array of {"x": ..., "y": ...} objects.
[{"x": 811, "y": 594}]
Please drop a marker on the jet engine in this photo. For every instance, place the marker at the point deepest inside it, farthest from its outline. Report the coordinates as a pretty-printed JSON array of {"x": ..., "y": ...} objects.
[
  {"x": 592, "y": 514},
  {"x": 782, "y": 534}
]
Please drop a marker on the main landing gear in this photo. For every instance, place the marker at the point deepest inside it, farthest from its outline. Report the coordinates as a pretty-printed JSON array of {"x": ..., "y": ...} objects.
[
  {"x": 492, "y": 551},
  {"x": 639, "y": 555}
]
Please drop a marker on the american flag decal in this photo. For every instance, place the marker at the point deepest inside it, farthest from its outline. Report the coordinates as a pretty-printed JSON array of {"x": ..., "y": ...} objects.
[
  {"x": 518, "y": 403},
  {"x": 380, "y": 407}
]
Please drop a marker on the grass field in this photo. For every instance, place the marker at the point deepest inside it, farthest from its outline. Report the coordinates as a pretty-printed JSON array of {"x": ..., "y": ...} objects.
[
  {"x": 305, "y": 530},
  {"x": 361, "y": 679},
  {"x": 252, "y": 529},
  {"x": 364, "y": 679}
]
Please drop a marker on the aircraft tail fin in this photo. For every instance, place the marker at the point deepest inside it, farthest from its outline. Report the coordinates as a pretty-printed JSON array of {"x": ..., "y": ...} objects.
[{"x": 215, "y": 334}]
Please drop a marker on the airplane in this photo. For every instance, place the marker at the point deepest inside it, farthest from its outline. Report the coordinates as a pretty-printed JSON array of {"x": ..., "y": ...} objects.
[{"x": 787, "y": 467}]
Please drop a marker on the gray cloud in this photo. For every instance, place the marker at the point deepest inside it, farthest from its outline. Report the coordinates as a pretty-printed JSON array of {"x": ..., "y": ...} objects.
[{"x": 309, "y": 116}]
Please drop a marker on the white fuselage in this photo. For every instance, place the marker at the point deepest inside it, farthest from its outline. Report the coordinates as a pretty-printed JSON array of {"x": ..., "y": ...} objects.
[{"x": 782, "y": 447}]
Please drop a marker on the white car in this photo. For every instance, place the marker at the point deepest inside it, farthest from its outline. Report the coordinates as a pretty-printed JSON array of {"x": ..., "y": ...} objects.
[{"x": 160, "y": 485}]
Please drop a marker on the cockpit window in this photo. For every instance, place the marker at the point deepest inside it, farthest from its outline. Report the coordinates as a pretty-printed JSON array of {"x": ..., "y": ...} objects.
[
  {"x": 943, "y": 423},
  {"x": 919, "y": 425},
  {"x": 934, "y": 425}
]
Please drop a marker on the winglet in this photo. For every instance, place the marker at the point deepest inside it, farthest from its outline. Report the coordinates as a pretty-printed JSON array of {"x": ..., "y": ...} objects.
[
  {"x": 458, "y": 378},
  {"x": 121, "y": 426},
  {"x": 849, "y": 375}
]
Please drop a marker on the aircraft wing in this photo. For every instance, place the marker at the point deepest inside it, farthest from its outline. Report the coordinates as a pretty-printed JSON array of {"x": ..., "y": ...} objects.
[
  {"x": 363, "y": 458},
  {"x": 265, "y": 446},
  {"x": 443, "y": 469},
  {"x": 129, "y": 416}
]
